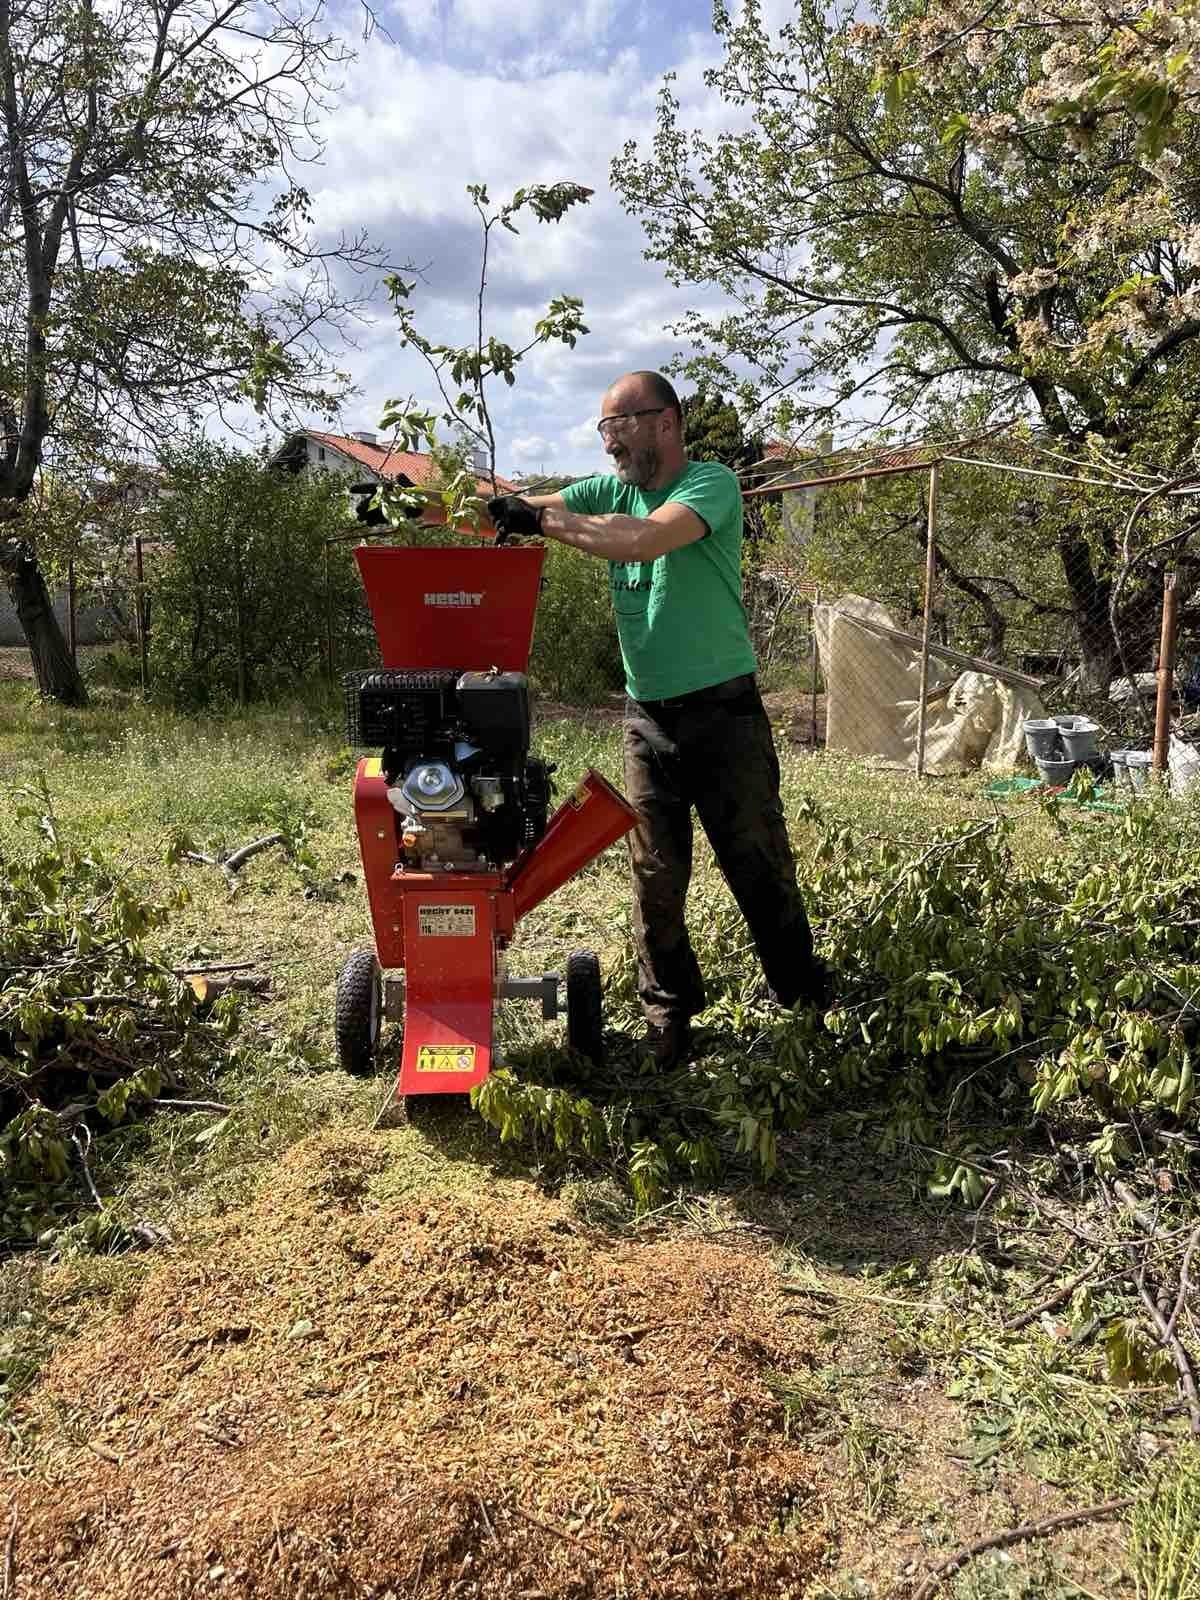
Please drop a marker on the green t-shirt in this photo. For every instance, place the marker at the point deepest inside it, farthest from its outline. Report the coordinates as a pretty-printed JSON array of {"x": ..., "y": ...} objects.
[{"x": 680, "y": 618}]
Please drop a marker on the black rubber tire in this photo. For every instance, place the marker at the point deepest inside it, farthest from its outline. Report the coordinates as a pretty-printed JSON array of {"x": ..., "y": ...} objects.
[
  {"x": 358, "y": 1012},
  {"x": 585, "y": 1020}
]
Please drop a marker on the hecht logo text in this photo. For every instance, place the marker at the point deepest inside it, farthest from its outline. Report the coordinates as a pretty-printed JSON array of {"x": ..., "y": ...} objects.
[{"x": 459, "y": 598}]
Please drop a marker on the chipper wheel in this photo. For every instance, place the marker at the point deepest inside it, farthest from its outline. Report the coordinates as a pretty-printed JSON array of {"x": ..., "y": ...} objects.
[
  {"x": 585, "y": 1023},
  {"x": 358, "y": 1012}
]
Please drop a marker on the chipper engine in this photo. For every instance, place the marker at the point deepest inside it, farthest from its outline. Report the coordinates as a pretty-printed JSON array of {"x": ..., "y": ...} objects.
[{"x": 452, "y": 815}]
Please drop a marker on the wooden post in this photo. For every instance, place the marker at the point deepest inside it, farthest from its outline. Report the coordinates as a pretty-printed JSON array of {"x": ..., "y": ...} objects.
[
  {"x": 328, "y": 617},
  {"x": 72, "y": 629},
  {"x": 812, "y": 628},
  {"x": 1166, "y": 673},
  {"x": 930, "y": 574},
  {"x": 140, "y": 612}
]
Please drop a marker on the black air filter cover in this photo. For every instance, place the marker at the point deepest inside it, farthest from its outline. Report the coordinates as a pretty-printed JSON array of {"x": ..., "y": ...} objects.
[{"x": 494, "y": 707}]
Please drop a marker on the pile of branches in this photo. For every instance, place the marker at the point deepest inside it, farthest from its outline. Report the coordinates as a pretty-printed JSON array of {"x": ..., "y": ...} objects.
[
  {"x": 93, "y": 1029},
  {"x": 975, "y": 991}
]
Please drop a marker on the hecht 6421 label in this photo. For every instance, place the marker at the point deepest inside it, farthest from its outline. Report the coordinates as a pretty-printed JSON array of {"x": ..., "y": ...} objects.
[{"x": 446, "y": 922}]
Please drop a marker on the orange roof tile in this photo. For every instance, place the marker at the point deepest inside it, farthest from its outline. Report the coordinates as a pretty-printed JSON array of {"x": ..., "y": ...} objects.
[{"x": 387, "y": 463}]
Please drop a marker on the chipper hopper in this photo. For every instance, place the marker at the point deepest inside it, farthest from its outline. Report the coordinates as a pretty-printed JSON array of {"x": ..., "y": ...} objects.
[{"x": 452, "y": 818}]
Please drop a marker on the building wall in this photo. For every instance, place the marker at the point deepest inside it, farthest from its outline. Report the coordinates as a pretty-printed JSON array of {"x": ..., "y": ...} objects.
[
  {"x": 93, "y": 623},
  {"x": 325, "y": 459}
]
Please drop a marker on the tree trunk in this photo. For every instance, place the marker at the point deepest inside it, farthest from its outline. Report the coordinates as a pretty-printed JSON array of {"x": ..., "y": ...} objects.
[
  {"x": 1090, "y": 596},
  {"x": 997, "y": 622},
  {"x": 58, "y": 677}
]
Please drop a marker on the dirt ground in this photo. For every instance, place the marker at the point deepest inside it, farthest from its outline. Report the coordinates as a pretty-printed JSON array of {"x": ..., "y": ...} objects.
[
  {"x": 15, "y": 665},
  {"x": 456, "y": 1396}
]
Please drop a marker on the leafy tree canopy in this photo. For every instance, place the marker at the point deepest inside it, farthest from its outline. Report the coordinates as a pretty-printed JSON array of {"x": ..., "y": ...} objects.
[
  {"x": 712, "y": 431},
  {"x": 156, "y": 252},
  {"x": 898, "y": 243}
]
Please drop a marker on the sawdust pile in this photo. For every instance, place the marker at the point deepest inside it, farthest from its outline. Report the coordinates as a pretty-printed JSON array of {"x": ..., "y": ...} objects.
[{"x": 438, "y": 1397}]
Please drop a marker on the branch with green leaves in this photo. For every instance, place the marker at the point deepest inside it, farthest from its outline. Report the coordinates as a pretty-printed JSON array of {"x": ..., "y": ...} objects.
[{"x": 462, "y": 373}]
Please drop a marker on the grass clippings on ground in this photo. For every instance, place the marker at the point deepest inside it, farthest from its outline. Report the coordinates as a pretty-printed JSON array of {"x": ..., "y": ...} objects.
[{"x": 449, "y": 1394}]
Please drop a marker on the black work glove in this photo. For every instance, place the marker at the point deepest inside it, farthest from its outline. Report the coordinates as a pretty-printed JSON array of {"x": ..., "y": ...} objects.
[
  {"x": 364, "y": 511},
  {"x": 511, "y": 515}
]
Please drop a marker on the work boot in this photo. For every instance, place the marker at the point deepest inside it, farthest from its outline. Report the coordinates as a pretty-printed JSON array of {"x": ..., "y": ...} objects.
[
  {"x": 669, "y": 1044},
  {"x": 816, "y": 990}
]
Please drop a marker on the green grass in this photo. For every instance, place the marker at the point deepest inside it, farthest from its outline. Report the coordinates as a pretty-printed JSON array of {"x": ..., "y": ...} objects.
[
  {"x": 1166, "y": 1534},
  {"x": 127, "y": 779}
]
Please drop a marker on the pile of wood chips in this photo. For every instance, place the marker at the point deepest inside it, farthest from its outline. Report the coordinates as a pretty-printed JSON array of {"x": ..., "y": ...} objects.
[{"x": 441, "y": 1396}]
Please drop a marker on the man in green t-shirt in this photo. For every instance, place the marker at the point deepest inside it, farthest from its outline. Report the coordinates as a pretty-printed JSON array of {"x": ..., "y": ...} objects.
[{"x": 696, "y": 735}]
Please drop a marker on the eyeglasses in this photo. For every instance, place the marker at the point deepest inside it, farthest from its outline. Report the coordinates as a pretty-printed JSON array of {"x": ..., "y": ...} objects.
[{"x": 623, "y": 421}]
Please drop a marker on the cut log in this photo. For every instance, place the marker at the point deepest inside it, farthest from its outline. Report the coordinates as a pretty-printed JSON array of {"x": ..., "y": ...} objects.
[{"x": 208, "y": 989}]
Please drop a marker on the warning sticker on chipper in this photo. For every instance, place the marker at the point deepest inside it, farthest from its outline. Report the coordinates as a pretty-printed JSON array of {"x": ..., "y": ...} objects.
[
  {"x": 446, "y": 1058},
  {"x": 446, "y": 922}
]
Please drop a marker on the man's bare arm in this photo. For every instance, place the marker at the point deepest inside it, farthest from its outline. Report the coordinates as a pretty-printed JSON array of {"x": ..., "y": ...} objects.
[{"x": 620, "y": 538}]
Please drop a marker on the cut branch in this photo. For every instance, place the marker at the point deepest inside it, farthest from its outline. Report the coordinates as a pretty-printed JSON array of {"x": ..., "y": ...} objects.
[
  {"x": 1020, "y": 1535},
  {"x": 233, "y": 863}
]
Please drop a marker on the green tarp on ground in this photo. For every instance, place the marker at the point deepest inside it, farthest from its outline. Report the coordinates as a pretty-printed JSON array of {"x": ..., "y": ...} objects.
[{"x": 1016, "y": 788}]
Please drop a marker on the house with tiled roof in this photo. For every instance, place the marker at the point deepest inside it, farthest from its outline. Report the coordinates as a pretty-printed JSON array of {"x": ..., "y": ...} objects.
[
  {"x": 363, "y": 458},
  {"x": 784, "y": 462}
]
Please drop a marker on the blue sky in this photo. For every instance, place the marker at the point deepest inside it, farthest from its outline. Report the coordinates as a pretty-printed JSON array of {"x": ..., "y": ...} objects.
[{"x": 509, "y": 92}]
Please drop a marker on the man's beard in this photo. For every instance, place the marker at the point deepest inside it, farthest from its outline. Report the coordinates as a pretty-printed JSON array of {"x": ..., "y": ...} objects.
[{"x": 639, "y": 466}]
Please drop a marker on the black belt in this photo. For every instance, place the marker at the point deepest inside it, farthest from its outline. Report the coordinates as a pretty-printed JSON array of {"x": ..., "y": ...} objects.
[{"x": 714, "y": 693}]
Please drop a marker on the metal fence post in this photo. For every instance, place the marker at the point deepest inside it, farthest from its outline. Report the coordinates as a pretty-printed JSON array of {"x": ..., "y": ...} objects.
[
  {"x": 240, "y": 624},
  {"x": 328, "y": 617},
  {"x": 72, "y": 614},
  {"x": 816, "y": 666},
  {"x": 1166, "y": 673},
  {"x": 140, "y": 611},
  {"x": 930, "y": 573}
]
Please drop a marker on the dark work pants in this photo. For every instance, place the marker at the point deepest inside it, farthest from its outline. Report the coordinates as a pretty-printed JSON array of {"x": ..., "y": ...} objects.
[{"x": 713, "y": 751}]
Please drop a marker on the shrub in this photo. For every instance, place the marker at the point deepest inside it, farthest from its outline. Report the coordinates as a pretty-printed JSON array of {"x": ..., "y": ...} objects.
[
  {"x": 575, "y": 656},
  {"x": 237, "y": 586}
]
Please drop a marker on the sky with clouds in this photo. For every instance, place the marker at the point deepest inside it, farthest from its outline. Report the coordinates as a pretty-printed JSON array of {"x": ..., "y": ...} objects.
[{"x": 510, "y": 92}]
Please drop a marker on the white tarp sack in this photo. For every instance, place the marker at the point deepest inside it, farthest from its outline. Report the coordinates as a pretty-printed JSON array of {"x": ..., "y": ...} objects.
[
  {"x": 1183, "y": 765},
  {"x": 872, "y": 685}
]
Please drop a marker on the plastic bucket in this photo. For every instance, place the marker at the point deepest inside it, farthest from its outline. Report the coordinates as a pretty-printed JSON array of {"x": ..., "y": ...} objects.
[
  {"x": 1041, "y": 738},
  {"x": 1131, "y": 768},
  {"x": 1080, "y": 739},
  {"x": 1056, "y": 774},
  {"x": 1137, "y": 764}
]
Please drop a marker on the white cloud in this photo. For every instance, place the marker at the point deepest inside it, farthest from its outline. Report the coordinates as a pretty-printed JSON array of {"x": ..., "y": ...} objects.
[
  {"x": 414, "y": 126},
  {"x": 525, "y": 20},
  {"x": 528, "y": 447}
]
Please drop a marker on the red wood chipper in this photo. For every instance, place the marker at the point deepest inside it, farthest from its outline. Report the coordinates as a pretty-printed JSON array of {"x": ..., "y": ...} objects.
[{"x": 452, "y": 818}]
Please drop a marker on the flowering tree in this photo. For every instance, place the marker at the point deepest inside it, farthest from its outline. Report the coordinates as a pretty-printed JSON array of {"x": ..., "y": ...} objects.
[
  {"x": 994, "y": 209},
  {"x": 1119, "y": 85}
]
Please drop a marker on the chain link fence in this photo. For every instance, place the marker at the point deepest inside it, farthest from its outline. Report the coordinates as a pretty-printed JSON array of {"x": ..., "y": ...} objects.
[
  {"x": 916, "y": 613},
  {"x": 946, "y": 616}
]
